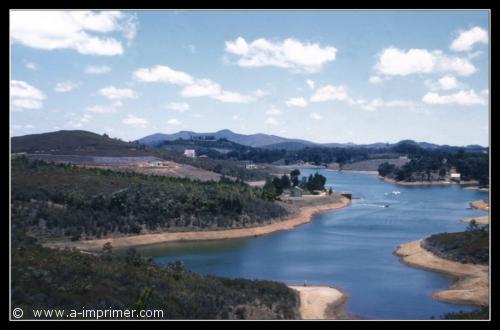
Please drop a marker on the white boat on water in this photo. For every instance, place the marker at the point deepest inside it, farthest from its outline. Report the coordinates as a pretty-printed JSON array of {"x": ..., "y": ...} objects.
[{"x": 395, "y": 192}]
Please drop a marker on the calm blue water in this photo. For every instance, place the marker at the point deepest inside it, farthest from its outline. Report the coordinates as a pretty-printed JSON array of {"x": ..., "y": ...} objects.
[{"x": 351, "y": 248}]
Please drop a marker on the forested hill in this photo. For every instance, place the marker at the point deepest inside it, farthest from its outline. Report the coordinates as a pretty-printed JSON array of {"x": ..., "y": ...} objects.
[
  {"x": 67, "y": 202},
  {"x": 75, "y": 143},
  {"x": 43, "y": 278}
]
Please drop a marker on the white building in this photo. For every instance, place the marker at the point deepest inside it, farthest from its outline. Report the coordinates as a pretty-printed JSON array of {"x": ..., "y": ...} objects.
[{"x": 191, "y": 153}]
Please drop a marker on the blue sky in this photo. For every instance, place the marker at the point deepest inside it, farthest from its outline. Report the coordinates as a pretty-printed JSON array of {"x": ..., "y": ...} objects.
[{"x": 325, "y": 76}]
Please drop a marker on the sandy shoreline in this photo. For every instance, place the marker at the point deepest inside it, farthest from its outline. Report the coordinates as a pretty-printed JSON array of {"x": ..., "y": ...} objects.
[
  {"x": 424, "y": 183},
  {"x": 321, "y": 302},
  {"x": 480, "y": 205},
  {"x": 353, "y": 171},
  {"x": 484, "y": 220},
  {"x": 472, "y": 281},
  {"x": 303, "y": 216}
]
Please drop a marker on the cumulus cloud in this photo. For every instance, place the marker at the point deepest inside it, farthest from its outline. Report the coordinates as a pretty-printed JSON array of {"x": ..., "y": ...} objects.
[
  {"x": 66, "y": 86},
  {"x": 132, "y": 120},
  {"x": 466, "y": 40},
  {"x": 31, "y": 65},
  {"x": 83, "y": 31},
  {"x": 297, "y": 102},
  {"x": 114, "y": 93},
  {"x": 444, "y": 83},
  {"x": 315, "y": 116},
  {"x": 330, "y": 92},
  {"x": 463, "y": 98},
  {"x": 273, "y": 111},
  {"x": 103, "y": 108},
  {"x": 193, "y": 87},
  {"x": 289, "y": 54},
  {"x": 174, "y": 122},
  {"x": 25, "y": 96},
  {"x": 376, "y": 79},
  {"x": 97, "y": 69},
  {"x": 163, "y": 74},
  {"x": 79, "y": 121},
  {"x": 377, "y": 103},
  {"x": 398, "y": 62},
  {"x": 180, "y": 107},
  {"x": 271, "y": 121}
]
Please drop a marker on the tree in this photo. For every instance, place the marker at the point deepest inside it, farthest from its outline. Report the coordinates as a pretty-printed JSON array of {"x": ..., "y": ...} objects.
[
  {"x": 285, "y": 181},
  {"x": 330, "y": 191},
  {"x": 277, "y": 184},
  {"x": 269, "y": 190},
  {"x": 294, "y": 175}
]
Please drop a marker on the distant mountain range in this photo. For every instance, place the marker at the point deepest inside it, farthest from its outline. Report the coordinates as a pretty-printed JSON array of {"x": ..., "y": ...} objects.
[
  {"x": 88, "y": 143},
  {"x": 267, "y": 141}
]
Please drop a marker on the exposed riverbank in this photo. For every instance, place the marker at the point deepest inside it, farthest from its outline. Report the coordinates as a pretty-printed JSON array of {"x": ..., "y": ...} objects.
[
  {"x": 472, "y": 281},
  {"x": 481, "y": 205},
  {"x": 425, "y": 183},
  {"x": 321, "y": 302},
  {"x": 484, "y": 220},
  {"x": 301, "y": 213}
]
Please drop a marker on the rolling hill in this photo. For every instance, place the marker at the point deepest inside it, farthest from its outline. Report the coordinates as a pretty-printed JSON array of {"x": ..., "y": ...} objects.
[{"x": 75, "y": 143}]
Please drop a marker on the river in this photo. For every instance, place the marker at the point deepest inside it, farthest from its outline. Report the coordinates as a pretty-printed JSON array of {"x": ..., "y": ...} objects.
[{"x": 350, "y": 248}]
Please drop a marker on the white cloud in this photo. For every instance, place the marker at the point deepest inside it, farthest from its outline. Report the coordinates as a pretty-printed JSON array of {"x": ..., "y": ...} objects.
[
  {"x": 485, "y": 91},
  {"x": 289, "y": 54},
  {"x": 376, "y": 79},
  {"x": 311, "y": 84},
  {"x": 193, "y": 87},
  {"x": 444, "y": 83},
  {"x": 180, "y": 107},
  {"x": 273, "y": 111},
  {"x": 66, "y": 86},
  {"x": 26, "y": 104},
  {"x": 330, "y": 92},
  {"x": 463, "y": 97},
  {"x": 25, "y": 96},
  {"x": 21, "y": 128},
  {"x": 174, "y": 121},
  {"x": 376, "y": 103},
  {"x": 135, "y": 121},
  {"x": 103, "y": 108},
  {"x": 164, "y": 74},
  {"x": 79, "y": 121},
  {"x": 315, "y": 116},
  {"x": 397, "y": 62},
  {"x": 82, "y": 31},
  {"x": 297, "y": 102},
  {"x": 467, "y": 39},
  {"x": 114, "y": 93},
  {"x": 31, "y": 66},
  {"x": 271, "y": 121},
  {"x": 201, "y": 87},
  {"x": 97, "y": 69}
]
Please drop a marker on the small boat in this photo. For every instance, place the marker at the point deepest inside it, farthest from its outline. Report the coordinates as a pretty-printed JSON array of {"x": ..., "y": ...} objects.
[
  {"x": 386, "y": 205},
  {"x": 395, "y": 192}
]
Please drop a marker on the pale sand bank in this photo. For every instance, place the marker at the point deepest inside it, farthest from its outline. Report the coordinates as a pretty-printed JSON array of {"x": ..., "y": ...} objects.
[
  {"x": 472, "y": 281},
  {"x": 304, "y": 215},
  {"x": 484, "y": 220},
  {"x": 320, "y": 302},
  {"x": 481, "y": 205},
  {"x": 477, "y": 188},
  {"x": 424, "y": 183}
]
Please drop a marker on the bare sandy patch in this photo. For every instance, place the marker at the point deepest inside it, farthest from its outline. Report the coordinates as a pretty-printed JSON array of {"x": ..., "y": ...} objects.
[
  {"x": 484, "y": 220},
  {"x": 472, "y": 281},
  {"x": 317, "y": 302}
]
